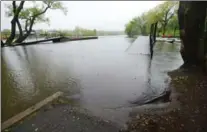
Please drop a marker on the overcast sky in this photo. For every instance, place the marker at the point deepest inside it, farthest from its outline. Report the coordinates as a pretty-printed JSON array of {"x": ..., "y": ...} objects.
[{"x": 100, "y": 15}]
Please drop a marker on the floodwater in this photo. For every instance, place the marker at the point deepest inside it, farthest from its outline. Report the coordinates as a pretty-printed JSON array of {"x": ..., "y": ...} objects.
[{"x": 99, "y": 75}]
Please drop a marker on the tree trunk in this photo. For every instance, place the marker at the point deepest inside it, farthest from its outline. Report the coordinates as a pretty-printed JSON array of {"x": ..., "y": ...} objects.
[
  {"x": 13, "y": 32},
  {"x": 20, "y": 28},
  {"x": 23, "y": 37},
  {"x": 206, "y": 52},
  {"x": 205, "y": 45},
  {"x": 164, "y": 29},
  {"x": 181, "y": 14},
  {"x": 16, "y": 12},
  {"x": 192, "y": 21}
]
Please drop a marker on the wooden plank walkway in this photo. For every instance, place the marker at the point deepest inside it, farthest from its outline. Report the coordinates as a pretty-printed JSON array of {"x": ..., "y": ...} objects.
[{"x": 30, "y": 110}]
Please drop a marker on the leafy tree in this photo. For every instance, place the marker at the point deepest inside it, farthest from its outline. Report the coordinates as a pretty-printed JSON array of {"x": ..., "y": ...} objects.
[
  {"x": 173, "y": 24},
  {"x": 5, "y": 33},
  {"x": 163, "y": 13},
  {"x": 15, "y": 11},
  {"x": 29, "y": 16},
  {"x": 132, "y": 28},
  {"x": 95, "y": 32},
  {"x": 142, "y": 24}
]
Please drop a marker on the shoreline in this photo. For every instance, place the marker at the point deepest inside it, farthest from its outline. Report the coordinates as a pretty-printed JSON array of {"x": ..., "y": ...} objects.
[
  {"x": 190, "y": 115},
  {"x": 188, "y": 101}
]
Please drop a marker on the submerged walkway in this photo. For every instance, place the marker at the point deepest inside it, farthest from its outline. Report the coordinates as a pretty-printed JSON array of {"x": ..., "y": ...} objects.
[{"x": 140, "y": 46}]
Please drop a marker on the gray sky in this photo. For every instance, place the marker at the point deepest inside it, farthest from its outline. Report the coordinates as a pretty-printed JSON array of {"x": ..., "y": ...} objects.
[{"x": 100, "y": 15}]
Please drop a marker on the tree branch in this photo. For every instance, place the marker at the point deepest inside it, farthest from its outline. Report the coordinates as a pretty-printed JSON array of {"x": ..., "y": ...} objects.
[
  {"x": 42, "y": 11},
  {"x": 31, "y": 24},
  {"x": 19, "y": 9},
  {"x": 26, "y": 24},
  {"x": 14, "y": 20},
  {"x": 14, "y": 6},
  {"x": 171, "y": 16}
]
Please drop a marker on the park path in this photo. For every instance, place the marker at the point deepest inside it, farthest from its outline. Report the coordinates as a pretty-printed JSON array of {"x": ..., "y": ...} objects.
[{"x": 63, "y": 118}]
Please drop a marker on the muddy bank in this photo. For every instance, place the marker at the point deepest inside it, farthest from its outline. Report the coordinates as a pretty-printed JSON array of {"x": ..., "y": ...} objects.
[{"x": 191, "y": 115}]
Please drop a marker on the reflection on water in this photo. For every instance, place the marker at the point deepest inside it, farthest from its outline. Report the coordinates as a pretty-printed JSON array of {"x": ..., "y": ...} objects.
[
  {"x": 166, "y": 58},
  {"x": 99, "y": 73}
]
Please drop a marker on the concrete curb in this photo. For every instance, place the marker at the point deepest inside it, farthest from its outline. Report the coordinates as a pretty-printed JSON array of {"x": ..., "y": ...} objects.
[{"x": 29, "y": 111}]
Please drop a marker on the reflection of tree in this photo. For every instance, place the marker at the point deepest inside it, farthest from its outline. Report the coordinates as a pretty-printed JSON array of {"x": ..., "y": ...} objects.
[
  {"x": 24, "y": 49},
  {"x": 8, "y": 92},
  {"x": 20, "y": 87},
  {"x": 152, "y": 92},
  {"x": 26, "y": 53},
  {"x": 149, "y": 91},
  {"x": 166, "y": 47},
  {"x": 36, "y": 74},
  {"x": 131, "y": 40}
]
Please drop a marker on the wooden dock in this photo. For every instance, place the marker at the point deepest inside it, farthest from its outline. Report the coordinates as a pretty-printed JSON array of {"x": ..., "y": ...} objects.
[{"x": 54, "y": 40}]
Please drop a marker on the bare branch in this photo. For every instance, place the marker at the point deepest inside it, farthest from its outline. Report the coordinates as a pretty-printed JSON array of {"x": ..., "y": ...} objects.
[
  {"x": 31, "y": 24},
  {"x": 171, "y": 16},
  {"x": 42, "y": 11}
]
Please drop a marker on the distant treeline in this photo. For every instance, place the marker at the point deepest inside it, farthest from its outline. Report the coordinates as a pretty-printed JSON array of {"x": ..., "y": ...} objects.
[{"x": 77, "y": 32}]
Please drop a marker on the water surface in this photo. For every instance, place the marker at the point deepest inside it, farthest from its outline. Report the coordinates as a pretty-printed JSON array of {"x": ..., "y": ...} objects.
[{"x": 98, "y": 75}]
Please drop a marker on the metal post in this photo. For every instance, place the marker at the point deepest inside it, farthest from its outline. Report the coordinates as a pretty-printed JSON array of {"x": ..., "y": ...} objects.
[
  {"x": 151, "y": 41},
  {"x": 152, "y": 37},
  {"x": 155, "y": 31}
]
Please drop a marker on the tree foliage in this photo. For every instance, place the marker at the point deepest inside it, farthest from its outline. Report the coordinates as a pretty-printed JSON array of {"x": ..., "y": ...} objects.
[
  {"x": 163, "y": 14},
  {"x": 28, "y": 16}
]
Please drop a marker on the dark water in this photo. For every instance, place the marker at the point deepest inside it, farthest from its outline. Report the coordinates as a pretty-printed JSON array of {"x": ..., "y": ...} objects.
[{"x": 98, "y": 75}]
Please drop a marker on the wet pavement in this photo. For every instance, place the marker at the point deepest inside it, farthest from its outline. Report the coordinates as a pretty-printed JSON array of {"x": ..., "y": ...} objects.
[
  {"x": 98, "y": 75},
  {"x": 63, "y": 118}
]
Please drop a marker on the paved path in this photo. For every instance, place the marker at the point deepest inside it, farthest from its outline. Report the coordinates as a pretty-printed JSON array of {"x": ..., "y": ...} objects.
[{"x": 63, "y": 118}]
